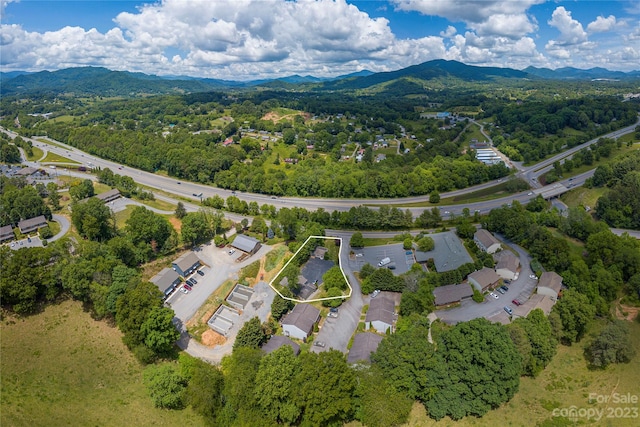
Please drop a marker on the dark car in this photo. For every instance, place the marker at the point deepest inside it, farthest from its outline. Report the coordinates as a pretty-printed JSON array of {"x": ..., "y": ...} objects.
[
  {"x": 333, "y": 309},
  {"x": 504, "y": 288},
  {"x": 501, "y": 290},
  {"x": 194, "y": 281},
  {"x": 516, "y": 302},
  {"x": 200, "y": 272}
]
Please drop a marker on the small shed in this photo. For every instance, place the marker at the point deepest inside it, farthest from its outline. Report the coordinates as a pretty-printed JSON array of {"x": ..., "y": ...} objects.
[
  {"x": 186, "y": 264},
  {"x": 246, "y": 244},
  {"x": 277, "y": 341},
  {"x": 300, "y": 321},
  {"x": 32, "y": 224},
  {"x": 486, "y": 241},
  {"x": 363, "y": 345},
  {"x": 550, "y": 284}
]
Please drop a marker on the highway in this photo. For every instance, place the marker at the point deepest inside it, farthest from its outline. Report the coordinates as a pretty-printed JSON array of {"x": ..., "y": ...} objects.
[{"x": 188, "y": 189}]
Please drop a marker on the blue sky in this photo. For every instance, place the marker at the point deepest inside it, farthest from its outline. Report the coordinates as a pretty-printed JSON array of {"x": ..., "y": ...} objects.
[{"x": 270, "y": 38}]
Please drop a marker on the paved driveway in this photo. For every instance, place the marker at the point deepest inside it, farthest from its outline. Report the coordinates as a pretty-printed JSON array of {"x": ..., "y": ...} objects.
[{"x": 520, "y": 289}]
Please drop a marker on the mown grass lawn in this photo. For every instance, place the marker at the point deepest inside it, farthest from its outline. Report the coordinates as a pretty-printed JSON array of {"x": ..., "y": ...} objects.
[{"x": 61, "y": 367}]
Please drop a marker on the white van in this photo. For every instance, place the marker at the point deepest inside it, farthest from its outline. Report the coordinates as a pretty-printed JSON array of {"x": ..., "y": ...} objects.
[{"x": 384, "y": 261}]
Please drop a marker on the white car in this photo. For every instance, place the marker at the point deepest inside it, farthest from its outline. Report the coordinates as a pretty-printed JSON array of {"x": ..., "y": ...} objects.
[
  {"x": 359, "y": 255},
  {"x": 495, "y": 296},
  {"x": 232, "y": 251},
  {"x": 533, "y": 276},
  {"x": 375, "y": 293}
]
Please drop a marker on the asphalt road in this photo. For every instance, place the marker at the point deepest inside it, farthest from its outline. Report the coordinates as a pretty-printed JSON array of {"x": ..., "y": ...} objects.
[{"x": 187, "y": 189}]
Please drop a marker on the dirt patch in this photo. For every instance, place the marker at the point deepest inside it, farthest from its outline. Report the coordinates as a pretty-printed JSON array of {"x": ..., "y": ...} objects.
[
  {"x": 626, "y": 312},
  {"x": 211, "y": 338},
  {"x": 271, "y": 116},
  {"x": 176, "y": 223}
]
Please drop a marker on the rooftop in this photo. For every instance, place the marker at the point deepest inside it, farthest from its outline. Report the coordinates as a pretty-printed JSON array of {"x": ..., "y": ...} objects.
[
  {"x": 381, "y": 309},
  {"x": 245, "y": 243},
  {"x": 277, "y": 341},
  {"x": 303, "y": 316},
  {"x": 484, "y": 277},
  {"x": 363, "y": 345},
  {"x": 508, "y": 261},
  {"x": 187, "y": 260},
  {"x": 551, "y": 280},
  {"x": 451, "y": 293},
  {"x": 485, "y": 238}
]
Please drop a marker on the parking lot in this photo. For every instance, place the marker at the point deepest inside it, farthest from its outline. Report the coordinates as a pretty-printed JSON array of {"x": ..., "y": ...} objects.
[
  {"x": 374, "y": 254},
  {"x": 219, "y": 267}
]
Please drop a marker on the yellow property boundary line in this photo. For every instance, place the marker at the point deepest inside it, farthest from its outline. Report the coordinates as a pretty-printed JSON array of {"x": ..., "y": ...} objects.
[{"x": 339, "y": 265}]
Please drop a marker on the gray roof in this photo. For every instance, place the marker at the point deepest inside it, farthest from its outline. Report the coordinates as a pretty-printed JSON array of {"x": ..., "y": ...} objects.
[
  {"x": 363, "y": 345},
  {"x": 542, "y": 302},
  {"x": 113, "y": 193},
  {"x": 303, "y": 316},
  {"x": 29, "y": 224},
  {"x": 551, "y": 280},
  {"x": 451, "y": 293},
  {"x": 7, "y": 230},
  {"x": 485, "y": 238},
  {"x": 245, "y": 243},
  {"x": 508, "y": 261},
  {"x": 165, "y": 278},
  {"x": 484, "y": 277},
  {"x": 187, "y": 260},
  {"x": 422, "y": 256},
  {"x": 381, "y": 309},
  {"x": 27, "y": 171},
  {"x": 277, "y": 341}
]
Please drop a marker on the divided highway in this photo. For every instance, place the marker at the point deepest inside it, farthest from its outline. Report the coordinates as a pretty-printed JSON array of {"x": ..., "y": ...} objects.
[{"x": 188, "y": 189}]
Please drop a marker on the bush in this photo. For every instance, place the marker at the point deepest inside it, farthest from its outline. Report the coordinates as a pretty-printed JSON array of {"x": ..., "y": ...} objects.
[
  {"x": 477, "y": 296},
  {"x": 612, "y": 345},
  {"x": 250, "y": 271},
  {"x": 166, "y": 386},
  {"x": 46, "y": 233},
  {"x": 407, "y": 244},
  {"x": 426, "y": 244},
  {"x": 356, "y": 241}
]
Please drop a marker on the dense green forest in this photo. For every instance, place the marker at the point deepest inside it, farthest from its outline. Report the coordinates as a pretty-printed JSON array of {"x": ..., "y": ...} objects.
[{"x": 308, "y": 145}]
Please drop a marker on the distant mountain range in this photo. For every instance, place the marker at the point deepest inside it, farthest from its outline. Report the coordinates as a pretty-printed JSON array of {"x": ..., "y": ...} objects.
[{"x": 104, "y": 82}]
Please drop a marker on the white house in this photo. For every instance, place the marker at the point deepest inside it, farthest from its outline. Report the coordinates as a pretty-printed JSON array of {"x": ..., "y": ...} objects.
[
  {"x": 486, "y": 241},
  {"x": 381, "y": 313},
  {"x": 300, "y": 321},
  {"x": 550, "y": 284},
  {"x": 507, "y": 265}
]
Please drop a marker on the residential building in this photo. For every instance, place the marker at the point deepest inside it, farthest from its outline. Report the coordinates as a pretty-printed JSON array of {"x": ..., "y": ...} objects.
[
  {"x": 550, "y": 284},
  {"x": 6, "y": 233},
  {"x": 186, "y": 264},
  {"x": 507, "y": 266},
  {"x": 450, "y": 294},
  {"x": 277, "y": 341},
  {"x": 363, "y": 345},
  {"x": 300, "y": 321},
  {"x": 483, "y": 279},
  {"x": 32, "y": 224},
  {"x": 542, "y": 302},
  {"x": 486, "y": 241},
  {"x": 167, "y": 280},
  {"x": 381, "y": 314}
]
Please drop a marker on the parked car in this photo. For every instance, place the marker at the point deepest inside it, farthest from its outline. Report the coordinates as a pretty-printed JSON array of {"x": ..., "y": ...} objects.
[
  {"x": 516, "y": 302},
  {"x": 504, "y": 288},
  {"x": 332, "y": 314},
  {"x": 508, "y": 310},
  {"x": 194, "y": 281},
  {"x": 187, "y": 287},
  {"x": 500, "y": 290},
  {"x": 494, "y": 295},
  {"x": 184, "y": 290},
  {"x": 200, "y": 272},
  {"x": 333, "y": 309},
  {"x": 319, "y": 344},
  {"x": 375, "y": 293},
  {"x": 232, "y": 251}
]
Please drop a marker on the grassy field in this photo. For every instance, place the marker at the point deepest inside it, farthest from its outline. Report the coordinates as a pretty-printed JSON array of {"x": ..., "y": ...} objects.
[
  {"x": 55, "y": 158},
  {"x": 564, "y": 383},
  {"x": 37, "y": 154},
  {"x": 582, "y": 196},
  {"x": 61, "y": 367}
]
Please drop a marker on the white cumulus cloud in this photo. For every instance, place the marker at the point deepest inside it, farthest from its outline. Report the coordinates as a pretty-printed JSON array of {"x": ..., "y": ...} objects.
[
  {"x": 571, "y": 31},
  {"x": 602, "y": 24}
]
